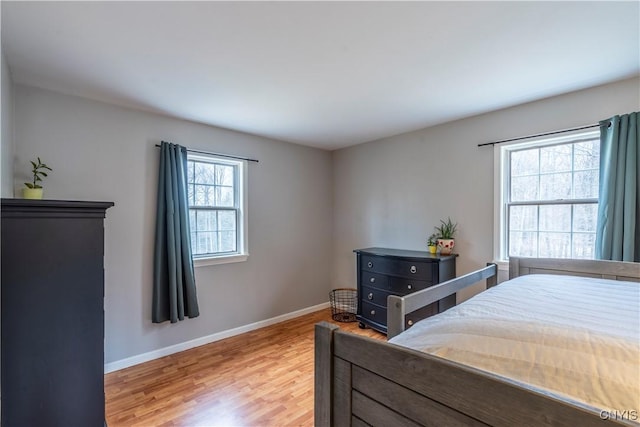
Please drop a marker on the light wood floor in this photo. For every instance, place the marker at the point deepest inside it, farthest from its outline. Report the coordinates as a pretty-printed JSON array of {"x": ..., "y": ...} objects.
[{"x": 261, "y": 378}]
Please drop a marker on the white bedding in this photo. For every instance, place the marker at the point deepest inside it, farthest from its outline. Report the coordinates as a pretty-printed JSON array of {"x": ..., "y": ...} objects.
[{"x": 572, "y": 336}]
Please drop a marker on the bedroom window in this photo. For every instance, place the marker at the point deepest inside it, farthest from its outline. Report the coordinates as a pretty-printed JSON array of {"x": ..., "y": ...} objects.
[
  {"x": 216, "y": 209},
  {"x": 548, "y": 197}
]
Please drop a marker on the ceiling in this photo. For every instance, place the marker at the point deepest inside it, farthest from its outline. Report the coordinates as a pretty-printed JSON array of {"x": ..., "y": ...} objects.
[{"x": 323, "y": 74}]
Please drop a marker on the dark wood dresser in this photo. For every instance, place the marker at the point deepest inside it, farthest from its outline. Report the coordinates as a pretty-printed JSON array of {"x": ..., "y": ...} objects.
[
  {"x": 52, "y": 313},
  {"x": 383, "y": 272}
]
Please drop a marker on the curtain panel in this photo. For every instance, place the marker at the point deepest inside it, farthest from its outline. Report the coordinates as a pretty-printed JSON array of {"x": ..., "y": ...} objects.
[
  {"x": 617, "y": 232},
  {"x": 174, "y": 287}
]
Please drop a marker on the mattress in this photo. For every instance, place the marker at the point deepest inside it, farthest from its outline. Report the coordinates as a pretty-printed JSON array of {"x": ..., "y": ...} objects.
[{"x": 574, "y": 337}]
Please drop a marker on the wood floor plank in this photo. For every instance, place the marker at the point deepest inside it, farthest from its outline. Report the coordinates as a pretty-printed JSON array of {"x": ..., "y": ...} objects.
[{"x": 260, "y": 378}]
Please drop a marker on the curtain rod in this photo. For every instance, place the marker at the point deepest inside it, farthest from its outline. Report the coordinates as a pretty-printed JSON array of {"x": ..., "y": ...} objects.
[
  {"x": 228, "y": 156},
  {"x": 542, "y": 134}
]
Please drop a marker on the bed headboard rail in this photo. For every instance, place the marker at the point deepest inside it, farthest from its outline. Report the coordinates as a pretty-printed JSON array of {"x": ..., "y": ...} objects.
[{"x": 614, "y": 270}]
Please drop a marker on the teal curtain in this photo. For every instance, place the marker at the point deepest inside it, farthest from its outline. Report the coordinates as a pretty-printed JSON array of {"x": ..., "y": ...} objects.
[
  {"x": 174, "y": 286},
  {"x": 618, "y": 233}
]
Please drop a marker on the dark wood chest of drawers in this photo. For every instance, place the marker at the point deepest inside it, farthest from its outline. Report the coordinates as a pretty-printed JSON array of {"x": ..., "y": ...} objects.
[
  {"x": 383, "y": 272},
  {"x": 52, "y": 312}
]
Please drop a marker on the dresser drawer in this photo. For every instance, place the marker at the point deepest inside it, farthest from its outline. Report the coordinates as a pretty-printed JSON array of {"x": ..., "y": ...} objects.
[
  {"x": 395, "y": 267},
  {"x": 403, "y": 286},
  {"x": 373, "y": 312},
  {"x": 375, "y": 296},
  {"x": 383, "y": 272},
  {"x": 375, "y": 280}
]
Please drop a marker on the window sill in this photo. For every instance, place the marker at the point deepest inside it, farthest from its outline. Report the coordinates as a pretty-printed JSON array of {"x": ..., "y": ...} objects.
[
  {"x": 503, "y": 265},
  {"x": 203, "y": 262}
]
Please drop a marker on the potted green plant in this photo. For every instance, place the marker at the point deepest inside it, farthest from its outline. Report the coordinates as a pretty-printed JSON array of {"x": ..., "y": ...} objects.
[
  {"x": 432, "y": 243},
  {"x": 446, "y": 233},
  {"x": 34, "y": 190}
]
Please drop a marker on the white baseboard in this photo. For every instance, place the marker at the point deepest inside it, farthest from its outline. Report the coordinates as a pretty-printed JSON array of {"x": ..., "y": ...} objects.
[{"x": 156, "y": 354}]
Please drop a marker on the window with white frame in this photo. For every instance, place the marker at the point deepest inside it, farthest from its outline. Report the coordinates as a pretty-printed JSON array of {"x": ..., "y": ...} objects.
[
  {"x": 548, "y": 197},
  {"x": 216, "y": 209}
]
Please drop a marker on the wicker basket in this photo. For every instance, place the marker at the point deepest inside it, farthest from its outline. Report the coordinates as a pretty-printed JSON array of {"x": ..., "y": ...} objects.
[{"x": 344, "y": 304}]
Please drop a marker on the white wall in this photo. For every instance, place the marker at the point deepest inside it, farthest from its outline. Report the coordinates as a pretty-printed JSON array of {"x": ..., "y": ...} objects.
[
  {"x": 392, "y": 192},
  {"x": 103, "y": 152},
  {"x": 6, "y": 143},
  {"x": 385, "y": 193}
]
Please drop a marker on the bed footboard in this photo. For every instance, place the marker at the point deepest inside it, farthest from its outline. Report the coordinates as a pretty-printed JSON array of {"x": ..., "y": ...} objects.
[{"x": 360, "y": 381}]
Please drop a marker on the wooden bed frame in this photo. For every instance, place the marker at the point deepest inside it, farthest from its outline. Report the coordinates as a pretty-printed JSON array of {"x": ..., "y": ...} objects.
[{"x": 360, "y": 381}]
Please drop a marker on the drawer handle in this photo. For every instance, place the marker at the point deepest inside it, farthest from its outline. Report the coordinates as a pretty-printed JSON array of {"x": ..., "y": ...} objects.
[
  {"x": 413, "y": 269},
  {"x": 370, "y": 296},
  {"x": 372, "y": 280},
  {"x": 409, "y": 286},
  {"x": 410, "y": 322},
  {"x": 373, "y": 312},
  {"x": 369, "y": 264}
]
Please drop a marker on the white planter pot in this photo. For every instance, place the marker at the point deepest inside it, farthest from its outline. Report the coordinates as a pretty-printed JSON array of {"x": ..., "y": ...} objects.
[{"x": 446, "y": 246}]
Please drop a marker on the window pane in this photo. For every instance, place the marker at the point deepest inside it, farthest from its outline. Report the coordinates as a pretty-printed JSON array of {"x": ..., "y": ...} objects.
[
  {"x": 555, "y": 186},
  {"x": 524, "y": 188},
  {"x": 224, "y": 175},
  {"x": 523, "y": 244},
  {"x": 190, "y": 194},
  {"x": 204, "y": 173},
  {"x": 194, "y": 241},
  {"x": 207, "y": 242},
  {"x": 206, "y": 221},
  {"x": 584, "y": 245},
  {"x": 585, "y": 218},
  {"x": 200, "y": 195},
  {"x": 204, "y": 195},
  {"x": 192, "y": 220},
  {"x": 227, "y": 220},
  {"x": 225, "y": 196},
  {"x": 525, "y": 162},
  {"x": 227, "y": 241},
  {"x": 523, "y": 218},
  {"x": 556, "y": 158},
  {"x": 555, "y": 245},
  {"x": 198, "y": 174},
  {"x": 210, "y": 196},
  {"x": 213, "y": 231},
  {"x": 555, "y": 218},
  {"x": 201, "y": 244},
  {"x": 586, "y": 155},
  {"x": 586, "y": 184},
  {"x": 190, "y": 169},
  {"x": 560, "y": 235}
]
